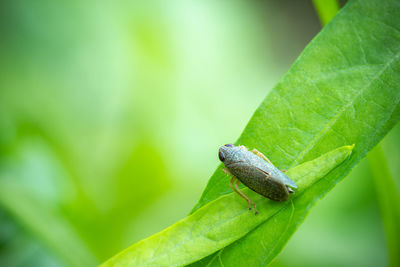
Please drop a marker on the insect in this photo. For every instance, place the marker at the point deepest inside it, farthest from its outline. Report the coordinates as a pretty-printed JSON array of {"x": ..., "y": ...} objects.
[{"x": 255, "y": 171}]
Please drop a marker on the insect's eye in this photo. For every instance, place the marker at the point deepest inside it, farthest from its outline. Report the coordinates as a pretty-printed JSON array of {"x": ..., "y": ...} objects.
[
  {"x": 229, "y": 145},
  {"x": 221, "y": 156}
]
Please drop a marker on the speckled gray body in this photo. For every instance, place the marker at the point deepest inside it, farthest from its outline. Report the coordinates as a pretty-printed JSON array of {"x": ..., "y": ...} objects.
[{"x": 256, "y": 173}]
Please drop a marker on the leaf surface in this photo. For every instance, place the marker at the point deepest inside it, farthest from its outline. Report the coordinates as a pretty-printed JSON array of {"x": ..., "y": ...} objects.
[
  {"x": 192, "y": 238},
  {"x": 343, "y": 89}
]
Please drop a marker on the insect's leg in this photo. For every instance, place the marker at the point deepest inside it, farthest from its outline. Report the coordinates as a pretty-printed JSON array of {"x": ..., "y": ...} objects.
[
  {"x": 283, "y": 170},
  {"x": 245, "y": 197},
  {"x": 239, "y": 192},
  {"x": 226, "y": 171},
  {"x": 231, "y": 183},
  {"x": 258, "y": 153}
]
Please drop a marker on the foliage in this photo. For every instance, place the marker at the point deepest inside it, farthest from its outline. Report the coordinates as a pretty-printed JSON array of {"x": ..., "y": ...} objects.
[
  {"x": 342, "y": 89},
  {"x": 222, "y": 221}
]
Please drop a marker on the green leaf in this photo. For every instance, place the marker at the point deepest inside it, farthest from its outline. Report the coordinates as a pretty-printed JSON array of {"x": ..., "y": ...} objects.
[
  {"x": 389, "y": 202},
  {"x": 344, "y": 88},
  {"x": 192, "y": 238},
  {"x": 47, "y": 223},
  {"x": 33, "y": 190}
]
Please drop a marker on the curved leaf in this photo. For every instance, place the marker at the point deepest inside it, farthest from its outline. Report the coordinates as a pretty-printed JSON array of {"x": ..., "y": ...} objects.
[
  {"x": 344, "y": 88},
  {"x": 192, "y": 238}
]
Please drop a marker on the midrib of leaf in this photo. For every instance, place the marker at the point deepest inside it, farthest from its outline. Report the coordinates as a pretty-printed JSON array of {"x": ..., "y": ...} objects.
[
  {"x": 220, "y": 260},
  {"x": 341, "y": 111},
  {"x": 286, "y": 230},
  {"x": 288, "y": 224},
  {"x": 219, "y": 253}
]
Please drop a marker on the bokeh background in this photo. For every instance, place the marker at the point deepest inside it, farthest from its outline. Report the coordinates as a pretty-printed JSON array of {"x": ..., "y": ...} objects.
[{"x": 111, "y": 114}]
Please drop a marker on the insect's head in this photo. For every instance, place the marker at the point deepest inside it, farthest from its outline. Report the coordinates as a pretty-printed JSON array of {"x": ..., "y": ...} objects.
[{"x": 225, "y": 152}]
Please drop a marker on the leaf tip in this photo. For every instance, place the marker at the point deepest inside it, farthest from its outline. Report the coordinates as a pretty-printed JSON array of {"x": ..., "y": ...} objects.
[{"x": 349, "y": 149}]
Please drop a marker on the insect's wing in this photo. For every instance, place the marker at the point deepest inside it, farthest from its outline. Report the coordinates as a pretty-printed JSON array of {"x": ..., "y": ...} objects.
[
  {"x": 275, "y": 172},
  {"x": 276, "y": 189},
  {"x": 288, "y": 181}
]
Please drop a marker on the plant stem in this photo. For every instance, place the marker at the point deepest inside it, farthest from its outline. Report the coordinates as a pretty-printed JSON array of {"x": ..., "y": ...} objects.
[
  {"x": 326, "y": 9},
  {"x": 389, "y": 202}
]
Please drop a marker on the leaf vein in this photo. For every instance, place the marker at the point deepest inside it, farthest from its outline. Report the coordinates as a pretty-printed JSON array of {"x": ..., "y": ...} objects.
[{"x": 341, "y": 111}]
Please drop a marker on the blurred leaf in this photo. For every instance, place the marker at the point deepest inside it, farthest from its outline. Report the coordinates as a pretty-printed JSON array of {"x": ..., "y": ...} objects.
[
  {"x": 214, "y": 226},
  {"x": 38, "y": 203},
  {"x": 389, "y": 202},
  {"x": 342, "y": 89},
  {"x": 92, "y": 90},
  {"x": 18, "y": 248},
  {"x": 48, "y": 224},
  {"x": 76, "y": 98}
]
